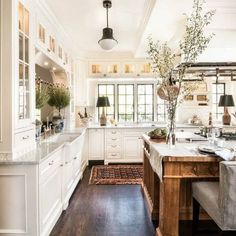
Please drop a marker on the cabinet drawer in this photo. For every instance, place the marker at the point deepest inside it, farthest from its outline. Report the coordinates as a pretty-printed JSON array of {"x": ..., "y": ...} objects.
[
  {"x": 113, "y": 148},
  {"x": 49, "y": 165},
  {"x": 200, "y": 169},
  {"x": 24, "y": 138},
  {"x": 113, "y": 141},
  {"x": 113, "y": 155},
  {"x": 113, "y": 133}
]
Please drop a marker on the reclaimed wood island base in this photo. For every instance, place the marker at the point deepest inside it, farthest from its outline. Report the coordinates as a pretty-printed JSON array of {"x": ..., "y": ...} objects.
[{"x": 171, "y": 200}]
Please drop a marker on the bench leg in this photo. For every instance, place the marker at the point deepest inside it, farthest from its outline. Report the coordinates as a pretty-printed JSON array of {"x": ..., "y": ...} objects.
[{"x": 196, "y": 210}]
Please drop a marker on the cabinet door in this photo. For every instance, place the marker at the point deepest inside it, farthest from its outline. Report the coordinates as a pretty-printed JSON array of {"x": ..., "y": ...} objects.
[
  {"x": 133, "y": 147},
  {"x": 50, "y": 201},
  {"x": 68, "y": 176},
  {"x": 77, "y": 165},
  {"x": 96, "y": 144}
]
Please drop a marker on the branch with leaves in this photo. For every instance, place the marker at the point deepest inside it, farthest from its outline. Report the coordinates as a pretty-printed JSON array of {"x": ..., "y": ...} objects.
[{"x": 165, "y": 62}]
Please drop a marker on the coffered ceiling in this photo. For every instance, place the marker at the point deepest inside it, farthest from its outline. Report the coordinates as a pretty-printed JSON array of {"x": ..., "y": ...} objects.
[{"x": 134, "y": 20}]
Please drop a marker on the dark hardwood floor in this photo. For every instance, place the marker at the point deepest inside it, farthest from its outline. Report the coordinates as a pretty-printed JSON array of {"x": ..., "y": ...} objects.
[{"x": 111, "y": 210}]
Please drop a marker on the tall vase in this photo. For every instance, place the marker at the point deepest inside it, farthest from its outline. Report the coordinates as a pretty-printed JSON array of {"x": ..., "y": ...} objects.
[{"x": 171, "y": 125}]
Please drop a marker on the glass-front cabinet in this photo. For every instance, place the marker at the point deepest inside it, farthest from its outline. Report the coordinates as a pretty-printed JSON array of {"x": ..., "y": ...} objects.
[{"x": 24, "y": 64}]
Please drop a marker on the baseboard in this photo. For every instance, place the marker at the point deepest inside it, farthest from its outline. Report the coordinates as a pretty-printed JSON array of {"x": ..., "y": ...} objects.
[{"x": 93, "y": 163}]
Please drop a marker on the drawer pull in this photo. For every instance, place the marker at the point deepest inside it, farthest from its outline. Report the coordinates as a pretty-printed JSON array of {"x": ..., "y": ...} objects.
[
  {"x": 75, "y": 158},
  {"x": 25, "y": 137},
  {"x": 66, "y": 162},
  {"x": 61, "y": 165},
  {"x": 50, "y": 163},
  {"x": 114, "y": 146},
  {"x": 114, "y": 155},
  {"x": 114, "y": 139},
  {"x": 113, "y": 132}
]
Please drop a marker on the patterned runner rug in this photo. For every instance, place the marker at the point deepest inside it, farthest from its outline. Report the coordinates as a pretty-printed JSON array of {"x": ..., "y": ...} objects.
[{"x": 116, "y": 174}]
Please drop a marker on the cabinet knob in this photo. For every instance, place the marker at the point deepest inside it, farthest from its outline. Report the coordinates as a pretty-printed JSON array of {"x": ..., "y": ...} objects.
[
  {"x": 50, "y": 163},
  {"x": 113, "y": 132},
  {"x": 75, "y": 158},
  {"x": 25, "y": 137},
  {"x": 66, "y": 162},
  {"x": 61, "y": 165}
]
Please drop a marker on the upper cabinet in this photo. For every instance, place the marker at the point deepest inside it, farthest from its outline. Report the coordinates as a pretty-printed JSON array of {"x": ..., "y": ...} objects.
[
  {"x": 50, "y": 44},
  {"x": 118, "y": 69},
  {"x": 25, "y": 65}
]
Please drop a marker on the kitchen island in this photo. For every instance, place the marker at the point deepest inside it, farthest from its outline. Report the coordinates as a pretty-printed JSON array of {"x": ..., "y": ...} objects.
[{"x": 168, "y": 174}]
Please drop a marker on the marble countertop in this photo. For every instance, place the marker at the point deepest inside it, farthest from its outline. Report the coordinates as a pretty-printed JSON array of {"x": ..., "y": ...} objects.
[
  {"x": 43, "y": 150},
  {"x": 138, "y": 126}
]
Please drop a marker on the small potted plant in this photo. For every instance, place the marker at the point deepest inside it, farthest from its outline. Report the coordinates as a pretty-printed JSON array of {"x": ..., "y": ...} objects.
[{"x": 59, "y": 97}]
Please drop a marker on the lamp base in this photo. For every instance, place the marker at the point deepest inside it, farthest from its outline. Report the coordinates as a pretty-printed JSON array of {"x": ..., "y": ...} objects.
[
  {"x": 103, "y": 119},
  {"x": 226, "y": 118}
]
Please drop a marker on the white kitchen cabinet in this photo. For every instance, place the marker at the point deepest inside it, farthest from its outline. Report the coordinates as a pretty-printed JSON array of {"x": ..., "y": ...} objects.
[
  {"x": 133, "y": 147},
  {"x": 68, "y": 179},
  {"x": 50, "y": 194},
  {"x": 81, "y": 88},
  {"x": 96, "y": 144},
  {"x": 124, "y": 145}
]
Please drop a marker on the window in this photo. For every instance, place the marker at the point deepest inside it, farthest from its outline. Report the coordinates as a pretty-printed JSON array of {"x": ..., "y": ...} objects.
[
  {"x": 161, "y": 109},
  {"x": 126, "y": 102},
  {"x": 145, "y": 102},
  {"x": 218, "y": 89},
  {"x": 107, "y": 90}
]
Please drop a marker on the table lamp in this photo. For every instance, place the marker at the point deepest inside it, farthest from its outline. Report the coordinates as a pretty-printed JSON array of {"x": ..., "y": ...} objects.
[
  {"x": 226, "y": 101},
  {"x": 103, "y": 102}
]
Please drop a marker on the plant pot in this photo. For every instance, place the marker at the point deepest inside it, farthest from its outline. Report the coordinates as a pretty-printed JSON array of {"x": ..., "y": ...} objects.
[
  {"x": 58, "y": 123},
  {"x": 38, "y": 132}
]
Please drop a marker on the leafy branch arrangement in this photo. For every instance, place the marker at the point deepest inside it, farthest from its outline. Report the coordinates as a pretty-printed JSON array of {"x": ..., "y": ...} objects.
[
  {"x": 166, "y": 63},
  {"x": 41, "y": 93}
]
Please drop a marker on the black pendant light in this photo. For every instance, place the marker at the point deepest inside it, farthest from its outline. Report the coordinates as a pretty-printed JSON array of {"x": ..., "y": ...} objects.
[{"x": 107, "y": 42}]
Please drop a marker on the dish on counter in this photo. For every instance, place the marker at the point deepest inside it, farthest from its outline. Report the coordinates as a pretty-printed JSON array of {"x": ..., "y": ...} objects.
[
  {"x": 158, "y": 133},
  {"x": 209, "y": 149}
]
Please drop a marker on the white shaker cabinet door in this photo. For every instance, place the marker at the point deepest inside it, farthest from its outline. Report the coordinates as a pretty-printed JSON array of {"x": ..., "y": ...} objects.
[
  {"x": 96, "y": 144},
  {"x": 132, "y": 147},
  {"x": 50, "y": 201}
]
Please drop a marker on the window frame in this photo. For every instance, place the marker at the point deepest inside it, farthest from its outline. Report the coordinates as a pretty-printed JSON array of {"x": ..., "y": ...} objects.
[
  {"x": 114, "y": 97},
  {"x": 153, "y": 102},
  {"x": 117, "y": 97},
  {"x": 135, "y": 83},
  {"x": 217, "y": 115}
]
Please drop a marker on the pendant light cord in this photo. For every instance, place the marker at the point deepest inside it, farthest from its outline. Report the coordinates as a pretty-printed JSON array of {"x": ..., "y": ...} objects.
[{"x": 107, "y": 16}]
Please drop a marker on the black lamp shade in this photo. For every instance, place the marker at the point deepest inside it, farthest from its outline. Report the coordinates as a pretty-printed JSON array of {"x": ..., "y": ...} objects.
[
  {"x": 103, "y": 102},
  {"x": 226, "y": 101}
]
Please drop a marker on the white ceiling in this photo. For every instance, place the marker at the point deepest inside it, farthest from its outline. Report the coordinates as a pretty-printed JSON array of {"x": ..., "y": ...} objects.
[
  {"x": 83, "y": 20},
  {"x": 134, "y": 20}
]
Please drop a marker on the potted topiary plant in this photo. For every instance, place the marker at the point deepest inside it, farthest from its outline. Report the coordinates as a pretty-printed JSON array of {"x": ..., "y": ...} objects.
[{"x": 59, "y": 97}]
